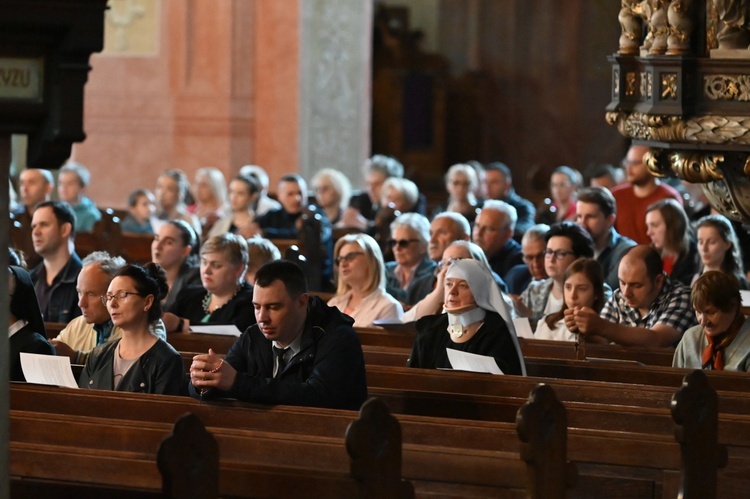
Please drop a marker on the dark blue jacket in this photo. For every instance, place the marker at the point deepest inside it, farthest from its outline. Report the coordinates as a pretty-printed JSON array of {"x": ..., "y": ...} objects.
[
  {"x": 63, "y": 301},
  {"x": 329, "y": 370}
]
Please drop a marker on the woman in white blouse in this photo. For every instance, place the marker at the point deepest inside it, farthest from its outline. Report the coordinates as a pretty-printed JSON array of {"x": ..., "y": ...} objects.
[
  {"x": 583, "y": 287},
  {"x": 361, "y": 281}
]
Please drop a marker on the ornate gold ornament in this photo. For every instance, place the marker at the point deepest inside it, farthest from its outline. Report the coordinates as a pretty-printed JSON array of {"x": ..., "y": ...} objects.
[
  {"x": 703, "y": 129},
  {"x": 696, "y": 167},
  {"x": 644, "y": 83},
  {"x": 630, "y": 84},
  {"x": 727, "y": 87},
  {"x": 669, "y": 86}
]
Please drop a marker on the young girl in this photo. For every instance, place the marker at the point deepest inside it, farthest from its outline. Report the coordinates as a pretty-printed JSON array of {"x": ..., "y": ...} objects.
[{"x": 583, "y": 287}]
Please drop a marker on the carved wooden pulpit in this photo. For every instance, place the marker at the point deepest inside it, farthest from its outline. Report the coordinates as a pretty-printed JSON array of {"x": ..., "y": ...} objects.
[{"x": 681, "y": 85}]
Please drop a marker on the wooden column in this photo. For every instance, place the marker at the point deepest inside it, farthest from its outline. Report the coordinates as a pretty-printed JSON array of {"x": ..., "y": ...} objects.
[{"x": 5, "y": 157}]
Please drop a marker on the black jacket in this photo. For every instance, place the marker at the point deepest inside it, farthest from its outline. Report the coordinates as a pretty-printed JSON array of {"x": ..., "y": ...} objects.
[
  {"x": 492, "y": 339},
  {"x": 158, "y": 370},
  {"x": 63, "y": 300},
  {"x": 28, "y": 341},
  {"x": 237, "y": 311},
  {"x": 329, "y": 370}
]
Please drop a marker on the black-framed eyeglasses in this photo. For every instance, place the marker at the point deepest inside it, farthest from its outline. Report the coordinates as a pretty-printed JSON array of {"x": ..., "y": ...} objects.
[
  {"x": 119, "y": 296},
  {"x": 348, "y": 258},
  {"x": 401, "y": 243},
  {"x": 559, "y": 254}
]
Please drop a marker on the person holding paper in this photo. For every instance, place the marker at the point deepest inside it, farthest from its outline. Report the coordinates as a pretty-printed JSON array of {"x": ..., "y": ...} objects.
[
  {"x": 225, "y": 297},
  {"x": 477, "y": 321},
  {"x": 25, "y": 324},
  {"x": 721, "y": 340},
  {"x": 583, "y": 287},
  {"x": 139, "y": 361},
  {"x": 300, "y": 352}
]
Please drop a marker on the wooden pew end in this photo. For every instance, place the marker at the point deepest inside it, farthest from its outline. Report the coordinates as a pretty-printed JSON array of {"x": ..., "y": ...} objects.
[
  {"x": 373, "y": 441},
  {"x": 188, "y": 461},
  {"x": 542, "y": 426},
  {"x": 695, "y": 411}
]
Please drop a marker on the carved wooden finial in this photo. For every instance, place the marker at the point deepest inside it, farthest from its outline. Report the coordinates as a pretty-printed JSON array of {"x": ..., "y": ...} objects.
[
  {"x": 373, "y": 441},
  {"x": 188, "y": 461},
  {"x": 695, "y": 412},
  {"x": 541, "y": 424}
]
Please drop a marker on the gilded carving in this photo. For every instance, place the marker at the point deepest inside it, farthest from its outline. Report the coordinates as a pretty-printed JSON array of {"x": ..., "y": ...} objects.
[
  {"x": 727, "y": 87},
  {"x": 630, "y": 84},
  {"x": 669, "y": 86},
  {"x": 720, "y": 197},
  {"x": 644, "y": 82},
  {"x": 653, "y": 164},
  {"x": 659, "y": 27},
  {"x": 631, "y": 26},
  {"x": 696, "y": 167},
  {"x": 703, "y": 129},
  {"x": 734, "y": 27},
  {"x": 680, "y": 17},
  {"x": 718, "y": 130},
  {"x": 649, "y": 85}
]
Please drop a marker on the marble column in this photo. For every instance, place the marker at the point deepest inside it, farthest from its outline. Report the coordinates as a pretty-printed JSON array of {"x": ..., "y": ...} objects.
[{"x": 335, "y": 86}]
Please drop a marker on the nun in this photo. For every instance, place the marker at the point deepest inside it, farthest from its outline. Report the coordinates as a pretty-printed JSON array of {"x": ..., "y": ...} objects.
[{"x": 476, "y": 320}]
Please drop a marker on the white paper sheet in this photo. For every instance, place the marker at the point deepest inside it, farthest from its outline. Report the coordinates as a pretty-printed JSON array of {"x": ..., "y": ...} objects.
[
  {"x": 523, "y": 327},
  {"x": 463, "y": 361},
  {"x": 745, "y": 296},
  {"x": 48, "y": 370},
  {"x": 224, "y": 330}
]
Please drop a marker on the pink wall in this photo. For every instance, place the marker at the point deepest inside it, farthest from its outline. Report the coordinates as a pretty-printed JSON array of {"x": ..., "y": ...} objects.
[{"x": 221, "y": 91}]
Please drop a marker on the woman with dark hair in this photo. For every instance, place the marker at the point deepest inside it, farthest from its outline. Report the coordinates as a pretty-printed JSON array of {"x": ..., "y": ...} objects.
[
  {"x": 583, "y": 287},
  {"x": 171, "y": 192},
  {"x": 243, "y": 193},
  {"x": 721, "y": 340},
  {"x": 139, "y": 361},
  {"x": 25, "y": 323},
  {"x": 175, "y": 249},
  {"x": 719, "y": 249},
  {"x": 668, "y": 227}
]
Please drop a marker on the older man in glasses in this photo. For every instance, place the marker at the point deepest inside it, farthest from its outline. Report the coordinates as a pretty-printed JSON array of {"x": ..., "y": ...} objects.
[
  {"x": 410, "y": 235},
  {"x": 94, "y": 327}
]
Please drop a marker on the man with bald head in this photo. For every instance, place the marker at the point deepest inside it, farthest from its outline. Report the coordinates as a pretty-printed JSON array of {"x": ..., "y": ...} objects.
[
  {"x": 445, "y": 228},
  {"x": 34, "y": 187},
  {"x": 649, "y": 309}
]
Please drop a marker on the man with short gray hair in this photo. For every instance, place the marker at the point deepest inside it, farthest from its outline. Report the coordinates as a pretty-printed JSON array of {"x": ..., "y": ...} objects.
[
  {"x": 493, "y": 232},
  {"x": 94, "y": 327}
]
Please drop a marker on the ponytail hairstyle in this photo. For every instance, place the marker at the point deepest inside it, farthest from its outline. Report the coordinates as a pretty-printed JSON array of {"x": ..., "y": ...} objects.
[{"x": 149, "y": 280}]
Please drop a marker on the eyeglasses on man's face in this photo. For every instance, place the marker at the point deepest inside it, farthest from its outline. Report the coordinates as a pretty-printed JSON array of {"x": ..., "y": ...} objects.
[
  {"x": 119, "y": 296},
  {"x": 348, "y": 258},
  {"x": 402, "y": 243},
  {"x": 558, "y": 254},
  {"x": 528, "y": 258}
]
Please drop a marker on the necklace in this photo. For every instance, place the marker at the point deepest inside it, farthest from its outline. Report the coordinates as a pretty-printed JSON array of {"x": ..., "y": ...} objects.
[{"x": 207, "y": 301}]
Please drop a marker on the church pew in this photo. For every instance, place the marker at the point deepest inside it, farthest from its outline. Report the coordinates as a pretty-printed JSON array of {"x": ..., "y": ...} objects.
[
  {"x": 549, "y": 349},
  {"x": 121, "y": 453},
  {"x": 622, "y": 450},
  {"x": 425, "y": 461}
]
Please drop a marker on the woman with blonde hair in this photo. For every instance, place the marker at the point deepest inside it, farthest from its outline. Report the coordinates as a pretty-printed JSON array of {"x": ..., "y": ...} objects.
[
  {"x": 332, "y": 192},
  {"x": 210, "y": 196},
  {"x": 461, "y": 182},
  {"x": 361, "y": 281}
]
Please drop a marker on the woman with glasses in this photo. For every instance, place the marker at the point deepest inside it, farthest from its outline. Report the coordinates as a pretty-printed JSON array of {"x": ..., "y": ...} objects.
[
  {"x": 561, "y": 206},
  {"x": 668, "y": 228},
  {"x": 224, "y": 297},
  {"x": 566, "y": 242},
  {"x": 332, "y": 193},
  {"x": 410, "y": 236},
  {"x": 361, "y": 281},
  {"x": 138, "y": 361},
  {"x": 476, "y": 321},
  {"x": 460, "y": 183}
]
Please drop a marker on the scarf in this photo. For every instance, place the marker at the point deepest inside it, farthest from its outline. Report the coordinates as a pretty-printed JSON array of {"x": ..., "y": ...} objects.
[{"x": 713, "y": 354}]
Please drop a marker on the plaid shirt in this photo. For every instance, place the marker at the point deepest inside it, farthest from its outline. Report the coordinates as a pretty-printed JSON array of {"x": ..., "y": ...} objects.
[{"x": 671, "y": 308}]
